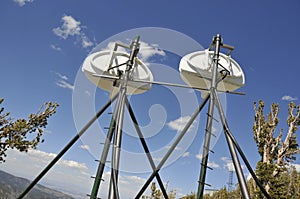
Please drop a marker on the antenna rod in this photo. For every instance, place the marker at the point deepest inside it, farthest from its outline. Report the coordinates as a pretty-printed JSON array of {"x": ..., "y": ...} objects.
[{"x": 135, "y": 47}]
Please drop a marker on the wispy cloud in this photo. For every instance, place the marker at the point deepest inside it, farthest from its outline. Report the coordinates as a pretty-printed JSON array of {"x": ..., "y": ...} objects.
[
  {"x": 22, "y": 2},
  {"x": 63, "y": 82},
  {"x": 289, "y": 98},
  {"x": 55, "y": 47},
  {"x": 179, "y": 123},
  {"x": 72, "y": 27},
  {"x": 186, "y": 154},
  {"x": 213, "y": 165}
]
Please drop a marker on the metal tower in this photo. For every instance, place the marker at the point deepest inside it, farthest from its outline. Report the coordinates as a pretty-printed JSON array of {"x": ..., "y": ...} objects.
[{"x": 114, "y": 135}]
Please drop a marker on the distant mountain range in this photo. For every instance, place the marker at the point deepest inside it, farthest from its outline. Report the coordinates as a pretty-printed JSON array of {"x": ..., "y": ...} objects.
[{"x": 11, "y": 187}]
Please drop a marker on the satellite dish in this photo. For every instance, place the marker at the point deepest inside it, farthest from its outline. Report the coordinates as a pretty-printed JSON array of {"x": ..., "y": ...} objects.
[
  {"x": 110, "y": 64},
  {"x": 196, "y": 70}
]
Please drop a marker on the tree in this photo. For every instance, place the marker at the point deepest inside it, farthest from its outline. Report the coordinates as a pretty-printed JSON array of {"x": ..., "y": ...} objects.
[
  {"x": 23, "y": 134},
  {"x": 276, "y": 153},
  {"x": 155, "y": 193}
]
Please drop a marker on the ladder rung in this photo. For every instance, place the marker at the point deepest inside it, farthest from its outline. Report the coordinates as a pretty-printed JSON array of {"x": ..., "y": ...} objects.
[
  {"x": 95, "y": 177},
  {"x": 90, "y": 196},
  {"x": 209, "y": 149},
  {"x": 204, "y": 183},
  {"x": 212, "y": 117},
  {"x": 104, "y": 143},
  {"x": 207, "y": 167},
  {"x": 210, "y": 133}
]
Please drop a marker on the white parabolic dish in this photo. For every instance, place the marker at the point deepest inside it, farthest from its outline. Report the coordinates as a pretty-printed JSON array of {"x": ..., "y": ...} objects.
[
  {"x": 98, "y": 63},
  {"x": 196, "y": 70}
]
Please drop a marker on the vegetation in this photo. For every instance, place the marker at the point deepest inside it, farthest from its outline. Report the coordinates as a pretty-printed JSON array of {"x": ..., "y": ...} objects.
[
  {"x": 23, "y": 134},
  {"x": 276, "y": 153},
  {"x": 157, "y": 194}
]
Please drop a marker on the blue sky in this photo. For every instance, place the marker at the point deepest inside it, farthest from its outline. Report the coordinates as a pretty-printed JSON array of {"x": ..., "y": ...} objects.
[{"x": 44, "y": 43}]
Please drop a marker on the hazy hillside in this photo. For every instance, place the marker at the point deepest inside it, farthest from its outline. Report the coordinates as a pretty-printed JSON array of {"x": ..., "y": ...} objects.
[{"x": 11, "y": 186}]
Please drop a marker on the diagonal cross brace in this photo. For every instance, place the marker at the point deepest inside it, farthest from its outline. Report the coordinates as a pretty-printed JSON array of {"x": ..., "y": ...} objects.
[{"x": 171, "y": 149}]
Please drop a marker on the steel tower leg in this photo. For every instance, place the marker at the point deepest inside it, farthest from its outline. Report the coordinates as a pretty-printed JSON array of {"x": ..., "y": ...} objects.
[
  {"x": 215, "y": 101},
  {"x": 208, "y": 130},
  {"x": 104, "y": 154},
  {"x": 236, "y": 162},
  {"x": 114, "y": 191},
  {"x": 206, "y": 147}
]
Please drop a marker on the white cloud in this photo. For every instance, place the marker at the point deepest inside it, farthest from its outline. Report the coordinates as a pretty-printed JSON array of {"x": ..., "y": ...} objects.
[
  {"x": 111, "y": 46},
  {"x": 68, "y": 175},
  {"x": 209, "y": 163},
  {"x": 55, "y": 47},
  {"x": 149, "y": 50},
  {"x": 228, "y": 164},
  {"x": 63, "y": 82},
  {"x": 22, "y": 2},
  {"x": 85, "y": 41},
  {"x": 186, "y": 154},
  {"x": 72, "y": 27},
  {"x": 179, "y": 123},
  {"x": 213, "y": 165},
  {"x": 86, "y": 147},
  {"x": 146, "y": 50},
  {"x": 199, "y": 156},
  {"x": 289, "y": 98}
]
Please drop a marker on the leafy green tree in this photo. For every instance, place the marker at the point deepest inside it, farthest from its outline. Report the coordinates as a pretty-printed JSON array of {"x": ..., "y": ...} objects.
[
  {"x": 276, "y": 153},
  {"x": 23, "y": 134}
]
